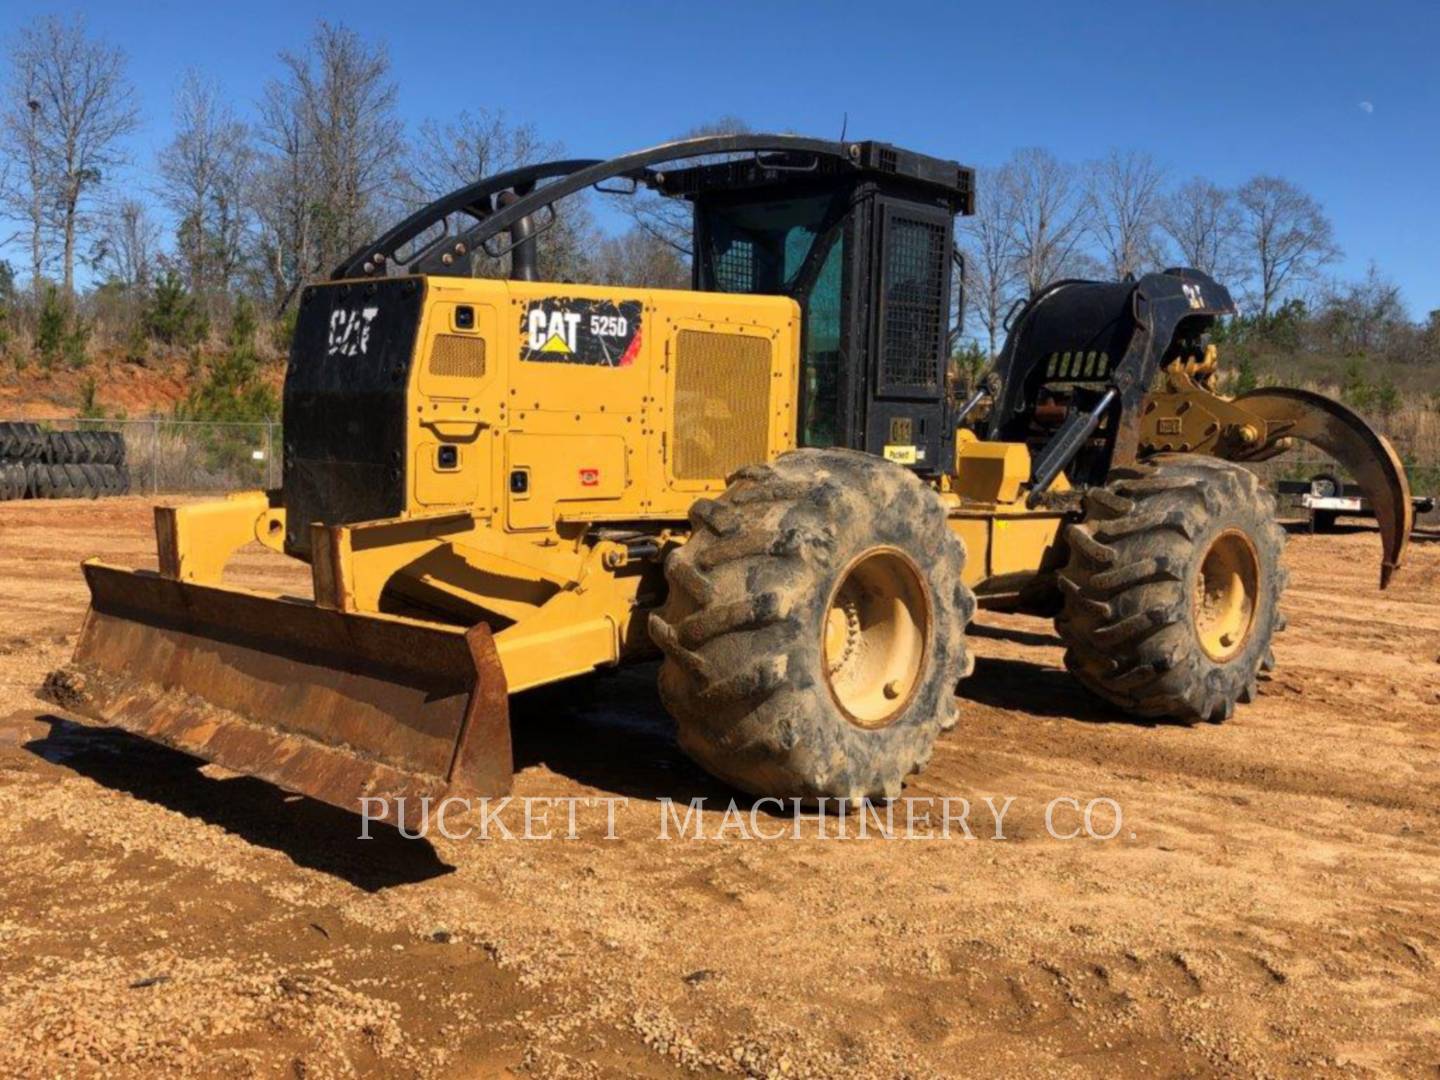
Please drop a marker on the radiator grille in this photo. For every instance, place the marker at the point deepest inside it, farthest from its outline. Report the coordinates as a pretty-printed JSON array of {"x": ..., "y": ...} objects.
[
  {"x": 457, "y": 356},
  {"x": 722, "y": 398},
  {"x": 914, "y": 304}
]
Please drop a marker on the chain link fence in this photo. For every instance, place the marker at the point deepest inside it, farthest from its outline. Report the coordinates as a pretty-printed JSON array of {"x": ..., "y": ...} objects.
[{"x": 171, "y": 457}]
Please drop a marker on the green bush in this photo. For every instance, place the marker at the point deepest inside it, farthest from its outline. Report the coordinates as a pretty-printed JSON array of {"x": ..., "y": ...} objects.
[
  {"x": 1245, "y": 377},
  {"x": 232, "y": 392},
  {"x": 89, "y": 400},
  {"x": 60, "y": 334},
  {"x": 51, "y": 327},
  {"x": 1355, "y": 389},
  {"x": 232, "y": 389},
  {"x": 1387, "y": 398},
  {"x": 137, "y": 344},
  {"x": 282, "y": 331},
  {"x": 77, "y": 337},
  {"x": 173, "y": 315},
  {"x": 7, "y": 310},
  {"x": 243, "y": 324}
]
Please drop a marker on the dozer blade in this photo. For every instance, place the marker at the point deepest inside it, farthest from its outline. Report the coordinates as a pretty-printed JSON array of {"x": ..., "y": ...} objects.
[
  {"x": 1359, "y": 448},
  {"x": 335, "y": 705}
]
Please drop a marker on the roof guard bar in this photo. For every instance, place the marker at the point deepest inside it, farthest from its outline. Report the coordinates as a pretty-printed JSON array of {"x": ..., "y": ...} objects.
[{"x": 567, "y": 178}]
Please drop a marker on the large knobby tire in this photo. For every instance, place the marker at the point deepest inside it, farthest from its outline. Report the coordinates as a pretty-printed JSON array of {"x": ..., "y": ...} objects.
[
  {"x": 814, "y": 628},
  {"x": 1172, "y": 591}
]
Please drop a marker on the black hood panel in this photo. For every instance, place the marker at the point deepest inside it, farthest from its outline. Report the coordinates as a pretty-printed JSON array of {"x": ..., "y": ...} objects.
[{"x": 345, "y": 404}]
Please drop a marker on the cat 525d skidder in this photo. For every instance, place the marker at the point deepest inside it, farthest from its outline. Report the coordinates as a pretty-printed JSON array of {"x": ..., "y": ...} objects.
[{"x": 501, "y": 482}]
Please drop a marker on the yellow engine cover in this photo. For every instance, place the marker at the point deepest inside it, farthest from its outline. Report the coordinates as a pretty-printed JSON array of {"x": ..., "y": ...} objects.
[{"x": 538, "y": 403}]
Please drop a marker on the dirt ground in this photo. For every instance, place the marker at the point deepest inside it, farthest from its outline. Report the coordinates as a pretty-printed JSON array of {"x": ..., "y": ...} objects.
[{"x": 1270, "y": 904}]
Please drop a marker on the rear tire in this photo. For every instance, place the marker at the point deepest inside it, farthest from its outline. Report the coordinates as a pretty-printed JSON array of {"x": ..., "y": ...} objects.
[
  {"x": 1172, "y": 591},
  {"x": 814, "y": 629}
]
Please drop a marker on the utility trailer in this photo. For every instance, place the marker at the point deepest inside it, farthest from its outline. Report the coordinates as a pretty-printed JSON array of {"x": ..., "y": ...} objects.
[{"x": 1326, "y": 498}]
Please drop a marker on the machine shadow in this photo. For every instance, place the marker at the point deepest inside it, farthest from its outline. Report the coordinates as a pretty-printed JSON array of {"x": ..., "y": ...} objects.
[
  {"x": 1011, "y": 633},
  {"x": 1049, "y": 692},
  {"x": 610, "y": 731},
  {"x": 1340, "y": 528},
  {"x": 311, "y": 834}
]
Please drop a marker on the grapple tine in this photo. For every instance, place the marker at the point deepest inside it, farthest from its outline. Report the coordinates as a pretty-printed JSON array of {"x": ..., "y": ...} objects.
[
  {"x": 1344, "y": 435},
  {"x": 335, "y": 705}
]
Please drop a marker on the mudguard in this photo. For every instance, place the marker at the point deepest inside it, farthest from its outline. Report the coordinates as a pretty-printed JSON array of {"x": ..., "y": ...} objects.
[{"x": 1344, "y": 435}]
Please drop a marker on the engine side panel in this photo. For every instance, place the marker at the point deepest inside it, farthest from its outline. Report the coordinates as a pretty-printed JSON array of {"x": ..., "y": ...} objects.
[{"x": 538, "y": 403}]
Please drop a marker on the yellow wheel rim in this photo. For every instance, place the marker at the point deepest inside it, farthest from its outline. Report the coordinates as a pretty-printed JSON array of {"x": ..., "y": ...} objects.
[
  {"x": 1226, "y": 590},
  {"x": 874, "y": 637}
]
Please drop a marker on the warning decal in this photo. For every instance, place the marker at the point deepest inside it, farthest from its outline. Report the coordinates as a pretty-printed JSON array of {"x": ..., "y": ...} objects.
[{"x": 564, "y": 330}]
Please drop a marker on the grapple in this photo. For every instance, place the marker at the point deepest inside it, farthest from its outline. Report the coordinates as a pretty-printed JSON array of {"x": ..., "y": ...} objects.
[
  {"x": 1343, "y": 434},
  {"x": 336, "y": 705}
]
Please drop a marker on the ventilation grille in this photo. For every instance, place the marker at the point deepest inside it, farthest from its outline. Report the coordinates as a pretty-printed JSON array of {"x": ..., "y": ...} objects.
[
  {"x": 914, "y": 328},
  {"x": 456, "y": 356},
  {"x": 1077, "y": 365},
  {"x": 722, "y": 399}
]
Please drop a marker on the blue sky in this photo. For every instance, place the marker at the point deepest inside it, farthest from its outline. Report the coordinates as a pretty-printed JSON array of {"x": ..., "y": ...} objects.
[{"x": 1221, "y": 89}]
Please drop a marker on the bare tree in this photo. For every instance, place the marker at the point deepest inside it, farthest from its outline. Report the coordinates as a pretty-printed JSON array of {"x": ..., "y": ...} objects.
[
  {"x": 641, "y": 259},
  {"x": 24, "y": 184},
  {"x": 283, "y": 200},
  {"x": 81, "y": 107},
  {"x": 671, "y": 221},
  {"x": 1361, "y": 317},
  {"x": 476, "y": 145},
  {"x": 1049, "y": 217},
  {"x": 335, "y": 148},
  {"x": 472, "y": 146},
  {"x": 205, "y": 174},
  {"x": 1287, "y": 235},
  {"x": 128, "y": 244},
  {"x": 1203, "y": 220},
  {"x": 991, "y": 281},
  {"x": 1124, "y": 196}
]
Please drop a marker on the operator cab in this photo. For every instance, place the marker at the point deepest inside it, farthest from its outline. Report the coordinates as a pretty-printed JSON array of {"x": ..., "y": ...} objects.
[{"x": 865, "y": 244}]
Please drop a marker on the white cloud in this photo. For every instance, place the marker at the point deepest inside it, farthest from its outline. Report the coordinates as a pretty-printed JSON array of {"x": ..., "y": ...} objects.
[{"x": 1367, "y": 106}]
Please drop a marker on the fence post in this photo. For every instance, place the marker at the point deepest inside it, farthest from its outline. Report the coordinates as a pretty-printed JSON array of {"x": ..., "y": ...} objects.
[
  {"x": 154, "y": 456},
  {"x": 269, "y": 456}
]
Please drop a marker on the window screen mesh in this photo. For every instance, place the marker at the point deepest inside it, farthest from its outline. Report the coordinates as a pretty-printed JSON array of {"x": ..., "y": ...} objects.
[
  {"x": 913, "y": 333},
  {"x": 735, "y": 267}
]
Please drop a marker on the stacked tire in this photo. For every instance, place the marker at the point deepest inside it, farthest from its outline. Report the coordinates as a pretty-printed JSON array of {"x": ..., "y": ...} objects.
[
  {"x": 21, "y": 446},
  {"x": 61, "y": 464}
]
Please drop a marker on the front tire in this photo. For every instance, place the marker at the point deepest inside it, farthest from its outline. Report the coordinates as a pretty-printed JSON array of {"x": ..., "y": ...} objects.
[
  {"x": 1172, "y": 590},
  {"x": 814, "y": 629}
]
